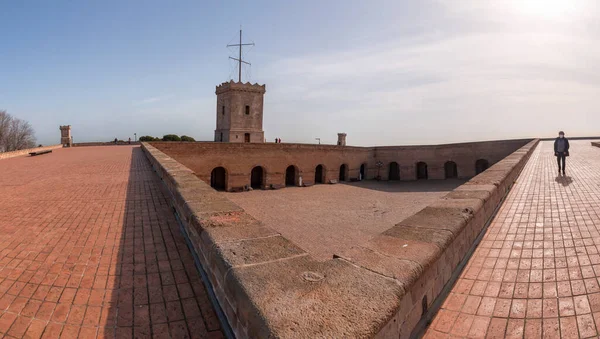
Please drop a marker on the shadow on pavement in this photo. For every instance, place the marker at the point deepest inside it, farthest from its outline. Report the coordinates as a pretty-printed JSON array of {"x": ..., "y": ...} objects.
[
  {"x": 393, "y": 186},
  {"x": 564, "y": 180}
]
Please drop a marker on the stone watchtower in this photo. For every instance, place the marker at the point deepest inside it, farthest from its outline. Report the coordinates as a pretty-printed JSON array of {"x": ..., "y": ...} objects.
[
  {"x": 240, "y": 112},
  {"x": 341, "y": 139},
  {"x": 65, "y": 136}
]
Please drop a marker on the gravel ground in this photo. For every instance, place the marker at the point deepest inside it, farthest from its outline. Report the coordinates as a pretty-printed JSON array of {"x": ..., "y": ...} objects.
[{"x": 324, "y": 219}]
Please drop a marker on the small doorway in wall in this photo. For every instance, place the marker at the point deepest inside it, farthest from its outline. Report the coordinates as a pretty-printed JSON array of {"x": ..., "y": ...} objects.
[
  {"x": 343, "y": 172},
  {"x": 246, "y": 137},
  {"x": 422, "y": 171},
  {"x": 319, "y": 174},
  {"x": 257, "y": 177},
  {"x": 218, "y": 178},
  {"x": 290, "y": 176},
  {"x": 363, "y": 172},
  {"x": 451, "y": 170},
  {"x": 394, "y": 171}
]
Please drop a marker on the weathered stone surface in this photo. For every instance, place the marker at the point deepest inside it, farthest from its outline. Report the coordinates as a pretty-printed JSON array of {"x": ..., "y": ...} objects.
[
  {"x": 468, "y": 194},
  {"x": 231, "y": 233},
  {"x": 255, "y": 251},
  {"x": 441, "y": 238},
  {"x": 449, "y": 219},
  {"x": 347, "y": 302},
  {"x": 404, "y": 271},
  {"x": 423, "y": 253}
]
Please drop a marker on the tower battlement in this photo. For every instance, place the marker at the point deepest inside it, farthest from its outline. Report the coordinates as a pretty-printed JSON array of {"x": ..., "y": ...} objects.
[
  {"x": 240, "y": 112},
  {"x": 239, "y": 86}
]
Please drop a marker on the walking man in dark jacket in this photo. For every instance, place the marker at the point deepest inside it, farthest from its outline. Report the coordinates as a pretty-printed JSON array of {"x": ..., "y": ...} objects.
[{"x": 561, "y": 150}]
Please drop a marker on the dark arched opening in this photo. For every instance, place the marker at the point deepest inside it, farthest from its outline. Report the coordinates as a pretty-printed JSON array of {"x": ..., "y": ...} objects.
[
  {"x": 394, "y": 172},
  {"x": 343, "y": 172},
  {"x": 290, "y": 176},
  {"x": 218, "y": 179},
  {"x": 319, "y": 177},
  {"x": 363, "y": 171},
  {"x": 257, "y": 177},
  {"x": 481, "y": 165},
  {"x": 422, "y": 171},
  {"x": 451, "y": 170}
]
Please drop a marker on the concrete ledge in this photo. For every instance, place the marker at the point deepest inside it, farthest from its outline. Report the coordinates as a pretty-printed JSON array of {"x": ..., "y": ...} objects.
[
  {"x": 422, "y": 251},
  {"x": 269, "y": 287},
  {"x": 6, "y": 155},
  {"x": 596, "y": 144}
]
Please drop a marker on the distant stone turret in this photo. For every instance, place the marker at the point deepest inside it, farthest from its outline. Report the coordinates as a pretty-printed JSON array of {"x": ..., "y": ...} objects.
[
  {"x": 65, "y": 136},
  {"x": 341, "y": 139}
]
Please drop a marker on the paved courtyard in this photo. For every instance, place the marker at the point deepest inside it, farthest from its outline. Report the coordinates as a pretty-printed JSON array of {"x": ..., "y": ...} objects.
[
  {"x": 536, "y": 272},
  {"x": 326, "y": 219},
  {"x": 89, "y": 248}
]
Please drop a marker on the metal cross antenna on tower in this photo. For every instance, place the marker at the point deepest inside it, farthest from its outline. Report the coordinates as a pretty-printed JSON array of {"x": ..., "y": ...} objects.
[{"x": 239, "y": 60}]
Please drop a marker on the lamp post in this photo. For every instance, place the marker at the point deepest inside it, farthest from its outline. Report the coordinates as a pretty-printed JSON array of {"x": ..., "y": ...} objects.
[{"x": 134, "y": 137}]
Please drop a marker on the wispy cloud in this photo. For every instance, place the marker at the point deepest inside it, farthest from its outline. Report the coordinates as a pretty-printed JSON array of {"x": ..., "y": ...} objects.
[
  {"x": 151, "y": 100},
  {"x": 490, "y": 82}
]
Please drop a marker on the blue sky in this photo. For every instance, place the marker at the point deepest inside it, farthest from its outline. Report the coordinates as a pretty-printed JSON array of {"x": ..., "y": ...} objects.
[{"x": 385, "y": 72}]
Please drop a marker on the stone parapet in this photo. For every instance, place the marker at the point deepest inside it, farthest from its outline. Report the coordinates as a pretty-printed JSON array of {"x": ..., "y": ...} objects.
[
  {"x": 423, "y": 251},
  {"x": 240, "y": 86},
  {"x": 6, "y": 155},
  {"x": 269, "y": 287}
]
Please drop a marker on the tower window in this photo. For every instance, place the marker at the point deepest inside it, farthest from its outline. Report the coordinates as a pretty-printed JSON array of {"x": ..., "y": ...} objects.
[
  {"x": 247, "y": 110},
  {"x": 223, "y": 110}
]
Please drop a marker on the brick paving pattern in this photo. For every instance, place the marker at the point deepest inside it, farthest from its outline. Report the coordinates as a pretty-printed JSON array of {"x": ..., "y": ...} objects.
[
  {"x": 89, "y": 248},
  {"x": 536, "y": 272}
]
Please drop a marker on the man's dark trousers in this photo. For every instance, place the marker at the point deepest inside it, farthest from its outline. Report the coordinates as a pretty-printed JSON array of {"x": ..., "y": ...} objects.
[{"x": 563, "y": 156}]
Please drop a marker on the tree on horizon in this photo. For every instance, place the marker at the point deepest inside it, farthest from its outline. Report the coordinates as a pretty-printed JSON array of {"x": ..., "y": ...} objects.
[{"x": 15, "y": 134}]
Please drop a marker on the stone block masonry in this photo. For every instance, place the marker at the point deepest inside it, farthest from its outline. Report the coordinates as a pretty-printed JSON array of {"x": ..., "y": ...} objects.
[
  {"x": 240, "y": 112},
  {"x": 269, "y": 287},
  {"x": 323, "y": 163}
]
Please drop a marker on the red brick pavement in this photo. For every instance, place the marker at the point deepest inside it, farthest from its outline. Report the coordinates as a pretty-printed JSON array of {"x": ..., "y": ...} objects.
[
  {"x": 89, "y": 248},
  {"x": 536, "y": 272}
]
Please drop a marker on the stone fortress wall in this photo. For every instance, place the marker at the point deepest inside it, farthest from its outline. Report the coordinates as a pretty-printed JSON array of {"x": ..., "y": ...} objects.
[
  {"x": 397, "y": 162},
  {"x": 269, "y": 287}
]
